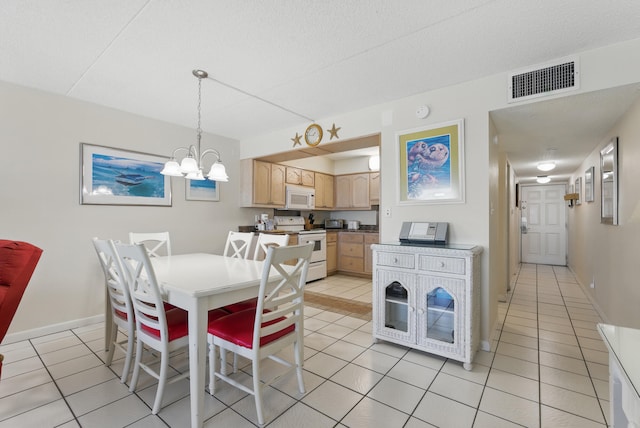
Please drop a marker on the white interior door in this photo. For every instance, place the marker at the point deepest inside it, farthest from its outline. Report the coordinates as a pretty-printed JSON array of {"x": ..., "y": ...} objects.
[{"x": 544, "y": 235}]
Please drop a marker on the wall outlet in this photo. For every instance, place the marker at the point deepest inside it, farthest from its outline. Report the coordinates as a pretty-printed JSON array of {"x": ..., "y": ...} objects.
[{"x": 387, "y": 212}]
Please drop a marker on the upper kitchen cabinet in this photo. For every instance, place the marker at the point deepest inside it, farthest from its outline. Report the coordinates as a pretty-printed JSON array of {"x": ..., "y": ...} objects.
[
  {"x": 324, "y": 191},
  {"x": 262, "y": 184},
  {"x": 352, "y": 191},
  {"x": 374, "y": 188},
  {"x": 300, "y": 176}
]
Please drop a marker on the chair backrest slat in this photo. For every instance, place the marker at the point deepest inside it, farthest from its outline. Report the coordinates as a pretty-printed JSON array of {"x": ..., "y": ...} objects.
[
  {"x": 266, "y": 240},
  {"x": 156, "y": 243},
  {"x": 143, "y": 288},
  {"x": 115, "y": 279},
  {"x": 286, "y": 298},
  {"x": 238, "y": 244}
]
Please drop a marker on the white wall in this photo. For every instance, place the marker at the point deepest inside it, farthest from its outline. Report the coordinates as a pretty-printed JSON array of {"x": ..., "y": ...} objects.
[
  {"x": 40, "y": 135},
  {"x": 471, "y": 222},
  {"x": 610, "y": 255}
]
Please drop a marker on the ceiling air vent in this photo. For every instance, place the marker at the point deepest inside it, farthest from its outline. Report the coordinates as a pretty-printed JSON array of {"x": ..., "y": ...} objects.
[{"x": 542, "y": 80}]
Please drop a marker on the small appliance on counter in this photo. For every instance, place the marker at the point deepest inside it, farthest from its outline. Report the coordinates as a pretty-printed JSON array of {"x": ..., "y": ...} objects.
[
  {"x": 333, "y": 223},
  {"x": 353, "y": 224}
]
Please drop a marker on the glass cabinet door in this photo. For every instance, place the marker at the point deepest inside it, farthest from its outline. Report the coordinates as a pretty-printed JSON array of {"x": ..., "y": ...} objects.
[
  {"x": 396, "y": 307},
  {"x": 440, "y": 315}
]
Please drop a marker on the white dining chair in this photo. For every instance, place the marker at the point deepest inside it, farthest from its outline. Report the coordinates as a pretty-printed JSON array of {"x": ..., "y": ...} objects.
[
  {"x": 266, "y": 240},
  {"x": 164, "y": 331},
  {"x": 156, "y": 243},
  {"x": 119, "y": 303},
  {"x": 270, "y": 328},
  {"x": 238, "y": 244}
]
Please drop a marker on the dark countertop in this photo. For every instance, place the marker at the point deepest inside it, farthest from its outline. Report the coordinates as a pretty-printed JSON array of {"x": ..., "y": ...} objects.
[{"x": 363, "y": 229}]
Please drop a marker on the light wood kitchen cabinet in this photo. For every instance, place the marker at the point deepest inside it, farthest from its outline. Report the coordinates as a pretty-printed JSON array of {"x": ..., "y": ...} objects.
[
  {"x": 262, "y": 184},
  {"x": 332, "y": 252},
  {"x": 300, "y": 176},
  {"x": 354, "y": 252},
  {"x": 352, "y": 191},
  {"x": 374, "y": 188},
  {"x": 369, "y": 239},
  {"x": 324, "y": 191}
]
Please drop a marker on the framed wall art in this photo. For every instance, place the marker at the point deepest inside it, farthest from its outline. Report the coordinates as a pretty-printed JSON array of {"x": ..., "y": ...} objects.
[
  {"x": 588, "y": 184},
  {"x": 431, "y": 164},
  {"x": 111, "y": 176},
  {"x": 609, "y": 183},
  {"x": 578, "y": 190},
  {"x": 202, "y": 190}
]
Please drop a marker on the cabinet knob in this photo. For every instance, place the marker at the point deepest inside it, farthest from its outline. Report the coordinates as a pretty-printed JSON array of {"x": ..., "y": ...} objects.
[
  {"x": 441, "y": 264},
  {"x": 421, "y": 311},
  {"x": 411, "y": 309},
  {"x": 395, "y": 260}
]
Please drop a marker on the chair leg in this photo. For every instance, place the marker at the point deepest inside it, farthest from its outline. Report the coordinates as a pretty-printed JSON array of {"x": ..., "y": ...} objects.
[
  {"x": 223, "y": 361},
  {"x": 257, "y": 390},
  {"x": 162, "y": 382},
  {"x": 299, "y": 358},
  {"x": 127, "y": 359},
  {"x": 136, "y": 366},
  {"x": 212, "y": 368},
  {"x": 112, "y": 346}
]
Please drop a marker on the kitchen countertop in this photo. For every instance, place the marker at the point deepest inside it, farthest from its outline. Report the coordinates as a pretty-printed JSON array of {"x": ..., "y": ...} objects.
[{"x": 361, "y": 230}]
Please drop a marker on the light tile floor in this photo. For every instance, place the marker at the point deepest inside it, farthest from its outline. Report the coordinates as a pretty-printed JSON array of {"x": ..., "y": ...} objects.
[{"x": 548, "y": 368}]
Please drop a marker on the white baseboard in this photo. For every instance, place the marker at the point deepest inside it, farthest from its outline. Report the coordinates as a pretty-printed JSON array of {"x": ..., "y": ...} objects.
[{"x": 50, "y": 329}]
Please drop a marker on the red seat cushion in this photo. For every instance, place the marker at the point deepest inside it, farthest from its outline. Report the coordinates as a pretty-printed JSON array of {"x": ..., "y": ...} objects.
[
  {"x": 242, "y": 306},
  {"x": 238, "y": 328},
  {"x": 178, "y": 322}
]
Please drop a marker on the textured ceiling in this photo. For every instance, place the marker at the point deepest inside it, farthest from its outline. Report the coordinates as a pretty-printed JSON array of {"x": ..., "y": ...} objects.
[{"x": 315, "y": 58}]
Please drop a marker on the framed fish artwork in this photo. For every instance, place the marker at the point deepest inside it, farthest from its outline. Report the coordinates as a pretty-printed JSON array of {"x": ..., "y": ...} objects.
[
  {"x": 112, "y": 176},
  {"x": 431, "y": 164}
]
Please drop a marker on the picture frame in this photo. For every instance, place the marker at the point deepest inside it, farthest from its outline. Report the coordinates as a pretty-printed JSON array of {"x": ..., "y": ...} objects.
[
  {"x": 609, "y": 183},
  {"x": 588, "y": 184},
  {"x": 578, "y": 190},
  {"x": 113, "y": 176},
  {"x": 431, "y": 164},
  {"x": 202, "y": 190}
]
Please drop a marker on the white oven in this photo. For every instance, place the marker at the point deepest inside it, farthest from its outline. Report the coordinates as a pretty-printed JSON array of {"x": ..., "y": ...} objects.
[{"x": 318, "y": 265}]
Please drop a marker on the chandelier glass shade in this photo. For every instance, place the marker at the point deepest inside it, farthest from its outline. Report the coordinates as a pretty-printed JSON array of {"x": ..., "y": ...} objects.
[{"x": 191, "y": 166}]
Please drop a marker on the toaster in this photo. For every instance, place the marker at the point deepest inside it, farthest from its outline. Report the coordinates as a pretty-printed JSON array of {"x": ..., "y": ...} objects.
[{"x": 332, "y": 223}]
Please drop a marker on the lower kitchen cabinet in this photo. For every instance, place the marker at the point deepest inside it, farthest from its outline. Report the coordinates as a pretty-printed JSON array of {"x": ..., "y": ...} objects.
[
  {"x": 354, "y": 252},
  {"x": 332, "y": 252},
  {"x": 424, "y": 298}
]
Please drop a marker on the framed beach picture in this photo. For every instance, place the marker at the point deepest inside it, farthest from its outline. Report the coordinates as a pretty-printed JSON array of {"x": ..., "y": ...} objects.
[
  {"x": 431, "y": 164},
  {"x": 202, "y": 190},
  {"x": 111, "y": 176}
]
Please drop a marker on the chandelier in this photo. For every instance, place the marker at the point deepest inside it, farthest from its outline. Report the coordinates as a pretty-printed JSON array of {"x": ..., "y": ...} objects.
[{"x": 192, "y": 164}]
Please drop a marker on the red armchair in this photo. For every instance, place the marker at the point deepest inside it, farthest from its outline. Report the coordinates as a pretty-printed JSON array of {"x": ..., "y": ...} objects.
[{"x": 18, "y": 260}]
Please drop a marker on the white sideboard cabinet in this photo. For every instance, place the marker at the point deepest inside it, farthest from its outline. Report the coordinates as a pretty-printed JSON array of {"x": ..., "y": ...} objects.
[{"x": 424, "y": 298}]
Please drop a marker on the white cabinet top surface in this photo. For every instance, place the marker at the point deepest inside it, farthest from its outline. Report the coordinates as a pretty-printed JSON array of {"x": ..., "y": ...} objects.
[{"x": 624, "y": 344}]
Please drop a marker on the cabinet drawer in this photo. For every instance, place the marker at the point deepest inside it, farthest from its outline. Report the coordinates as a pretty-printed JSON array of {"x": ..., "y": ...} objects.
[
  {"x": 332, "y": 237},
  {"x": 352, "y": 250},
  {"x": 351, "y": 237},
  {"x": 442, "y": 264},
  {"x": 397, "y": 260},
  {"x": 354, "y": 264}
]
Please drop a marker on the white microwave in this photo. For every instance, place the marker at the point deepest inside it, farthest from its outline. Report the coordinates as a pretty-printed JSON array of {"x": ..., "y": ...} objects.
[{"x": 300, "y": 198}]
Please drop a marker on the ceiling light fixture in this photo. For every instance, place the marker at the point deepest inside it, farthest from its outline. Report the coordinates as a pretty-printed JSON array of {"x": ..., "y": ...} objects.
[
  {"x": 543, "y": 179},
  {"x": 191, "y": 165},
  {"x": 546, "y": 165}
]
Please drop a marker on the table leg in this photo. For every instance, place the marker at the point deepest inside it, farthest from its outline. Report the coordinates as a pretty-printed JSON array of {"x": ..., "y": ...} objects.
[{"x": 197, "y": 360}]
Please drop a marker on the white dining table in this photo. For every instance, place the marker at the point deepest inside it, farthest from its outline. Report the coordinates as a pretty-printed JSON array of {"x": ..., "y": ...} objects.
[{"x": 197, "y": 283}]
